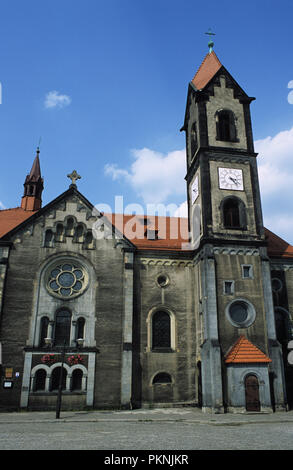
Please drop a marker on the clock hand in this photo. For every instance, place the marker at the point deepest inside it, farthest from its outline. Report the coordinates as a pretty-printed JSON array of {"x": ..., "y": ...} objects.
[{"x": 234, "y": 180}]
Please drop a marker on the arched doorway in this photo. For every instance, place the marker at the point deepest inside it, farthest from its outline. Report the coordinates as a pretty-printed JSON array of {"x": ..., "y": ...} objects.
[{"x": 252, "y": 393}]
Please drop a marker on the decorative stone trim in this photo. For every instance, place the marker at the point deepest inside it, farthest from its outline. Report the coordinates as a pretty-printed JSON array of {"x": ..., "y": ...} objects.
[
  {"x": 236, "y": 251},
  {"x": 282, "y": 267},
  {"x": 164, "y": 262}
]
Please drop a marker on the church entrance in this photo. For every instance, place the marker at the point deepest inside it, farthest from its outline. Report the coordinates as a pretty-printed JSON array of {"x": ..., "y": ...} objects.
[{"x": 252, "y": 393}]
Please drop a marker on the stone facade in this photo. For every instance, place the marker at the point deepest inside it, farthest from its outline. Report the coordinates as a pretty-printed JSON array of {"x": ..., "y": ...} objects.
[{"x": 148, "y": 324}]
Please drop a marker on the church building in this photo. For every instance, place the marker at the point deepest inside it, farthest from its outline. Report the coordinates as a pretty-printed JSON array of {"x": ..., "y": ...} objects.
[{"x": 152, "y": 311}]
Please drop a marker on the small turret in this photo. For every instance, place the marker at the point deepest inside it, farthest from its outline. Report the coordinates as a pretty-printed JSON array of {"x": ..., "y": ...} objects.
[{"x": 33, "y": 187}]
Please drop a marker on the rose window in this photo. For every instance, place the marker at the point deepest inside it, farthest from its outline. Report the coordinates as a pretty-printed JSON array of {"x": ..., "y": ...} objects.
[{"x": 67, "y": 280}]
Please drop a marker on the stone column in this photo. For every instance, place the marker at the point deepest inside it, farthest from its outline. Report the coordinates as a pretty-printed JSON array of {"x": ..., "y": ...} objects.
[
  {"x": 274, "y": 347},
  {"x": 126, "y": 372},
  {"x": 26, "y": 380},
  {"x": 212, "y": 389},
  {"x": 90, "y": 379}
]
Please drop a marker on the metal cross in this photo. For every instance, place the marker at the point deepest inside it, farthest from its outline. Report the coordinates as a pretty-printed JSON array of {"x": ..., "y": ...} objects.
[
  {"x": 211, "y": 43},
  {"x": 74, "y": 176}
]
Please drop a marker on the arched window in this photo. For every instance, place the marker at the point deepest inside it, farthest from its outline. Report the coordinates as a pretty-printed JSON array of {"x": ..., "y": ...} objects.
[
  {"x": 162, "y": 378},
  {"x": 161, "y": 331},
  {"x": 88, "y": 242},
  {"x": 76, "y": 383},
  {"x": 40, "y": 380},
  {"x": 43, "y": 330},
  {"x": 226, "y": 128},
  {"x": 70, "y": 227},
  {"x": 79, "y": 234},
  {"x": 283, "y": 325},
  {"x": 59, "y": 233},
  {"x": 80, "y": 328},
  {"x": 55, "y": 378},
  {"x": 62, "y": 327},
  {"x": 233, "y": 213},
  {"x": 48, "y": 243}
]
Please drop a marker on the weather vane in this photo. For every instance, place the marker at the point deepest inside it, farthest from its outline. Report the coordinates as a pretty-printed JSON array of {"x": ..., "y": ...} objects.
[
  {"x": 211, "y": 42},
  {"x": 74, "y": 176}
]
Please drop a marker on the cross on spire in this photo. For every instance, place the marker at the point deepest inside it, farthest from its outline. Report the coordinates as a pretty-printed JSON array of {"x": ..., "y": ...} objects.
[
  {"x": 211, "y": 42},
  {"x": 74, "y": 176}
]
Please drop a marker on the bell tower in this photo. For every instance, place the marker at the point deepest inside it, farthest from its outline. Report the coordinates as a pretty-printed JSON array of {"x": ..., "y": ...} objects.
[
  {"x": 222, "y": 178},
  {"x": 33, "y": 187},
  {"x": 227, "y": 235}
]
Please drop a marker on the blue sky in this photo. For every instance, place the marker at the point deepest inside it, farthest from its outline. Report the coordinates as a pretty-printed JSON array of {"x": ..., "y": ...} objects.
[{"x": 104, "y": 84}]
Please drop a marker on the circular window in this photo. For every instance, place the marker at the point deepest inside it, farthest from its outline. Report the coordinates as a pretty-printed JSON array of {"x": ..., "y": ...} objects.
[
  {"x": 277, "y": 285},
  {"x": 240, "y": 313},
  {"x": 162, "y": 280},
  {"x": 66, "y": 280}
]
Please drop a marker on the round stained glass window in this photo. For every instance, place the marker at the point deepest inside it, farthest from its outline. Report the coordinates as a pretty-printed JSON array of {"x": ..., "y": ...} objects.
[{"x": 67, "y": 280}]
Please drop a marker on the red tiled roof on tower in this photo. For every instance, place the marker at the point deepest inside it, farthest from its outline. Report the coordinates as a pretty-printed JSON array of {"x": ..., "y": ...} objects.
[
  {"x": 244, "y": 352},
  {"x": 206, "y": 71}
]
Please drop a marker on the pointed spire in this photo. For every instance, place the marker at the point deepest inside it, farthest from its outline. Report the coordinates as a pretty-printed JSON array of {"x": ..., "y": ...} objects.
[
  {"x": 35, "y": 173},
  {"x": 33, "y": 187}
]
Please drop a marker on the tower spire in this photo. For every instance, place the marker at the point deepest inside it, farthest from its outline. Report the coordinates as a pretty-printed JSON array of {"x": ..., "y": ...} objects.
[{"x": 33, "y": 187}]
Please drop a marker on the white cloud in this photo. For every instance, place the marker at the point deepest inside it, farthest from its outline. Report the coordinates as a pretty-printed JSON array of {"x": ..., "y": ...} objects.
[
  {"x": 182, "y": 210},
  {"x": 158, "y": 178},
  {"x": 54, "y": 99},
  {"x": 275, "y": 164},
  {"x": 154, "y": 177}
]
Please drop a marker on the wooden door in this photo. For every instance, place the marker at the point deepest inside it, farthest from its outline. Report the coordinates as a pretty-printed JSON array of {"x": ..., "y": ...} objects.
[{"x": 252, "y": 393}]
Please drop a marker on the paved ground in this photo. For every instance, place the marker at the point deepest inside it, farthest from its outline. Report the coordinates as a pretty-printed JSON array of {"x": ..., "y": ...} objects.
[{"x": 159, "y": 429}]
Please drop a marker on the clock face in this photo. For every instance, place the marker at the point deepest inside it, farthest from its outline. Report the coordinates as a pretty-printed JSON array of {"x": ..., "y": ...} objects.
[
  {"x": 194, "y": 190},
  {"x": 231, "y": 178}
]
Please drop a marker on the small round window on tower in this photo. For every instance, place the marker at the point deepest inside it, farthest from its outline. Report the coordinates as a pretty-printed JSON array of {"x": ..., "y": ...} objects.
[
  {"x": 240, "y": 313},
  {"x": 277, "y": 285},
  {"x": 162, "y": 280}
]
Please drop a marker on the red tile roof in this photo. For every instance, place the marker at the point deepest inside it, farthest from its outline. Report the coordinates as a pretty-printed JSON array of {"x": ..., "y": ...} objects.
[
  {"x": 206, "y": 71},
  {"x": 160, "y": 232},
  {"x": 243, "y": 352},
  {"x": 152, "y": 232},
  {"x": 10, "y": 218},
  {"x": 277, "y": 247}
]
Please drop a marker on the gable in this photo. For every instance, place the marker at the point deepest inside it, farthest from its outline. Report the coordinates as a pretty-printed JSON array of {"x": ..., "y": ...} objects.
[{"x": 69, "y": 215}]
